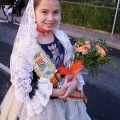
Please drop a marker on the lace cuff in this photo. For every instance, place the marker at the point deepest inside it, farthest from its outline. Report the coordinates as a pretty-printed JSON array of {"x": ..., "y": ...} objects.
[
  {"x": 41, "y": 98},
  {"x": 81, "y": 81}
]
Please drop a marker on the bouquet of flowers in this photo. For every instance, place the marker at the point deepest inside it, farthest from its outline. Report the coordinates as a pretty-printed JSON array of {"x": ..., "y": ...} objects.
[
  {"x": 89, "y": 55},
  {"x": 93, "y": 54}
]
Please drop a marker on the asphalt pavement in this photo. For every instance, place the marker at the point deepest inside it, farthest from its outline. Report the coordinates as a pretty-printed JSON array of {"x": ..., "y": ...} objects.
[{"x": 75, "y": 31}]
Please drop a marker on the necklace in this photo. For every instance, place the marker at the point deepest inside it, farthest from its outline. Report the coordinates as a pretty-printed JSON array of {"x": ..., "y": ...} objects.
[{"x": 43, "y": 32}]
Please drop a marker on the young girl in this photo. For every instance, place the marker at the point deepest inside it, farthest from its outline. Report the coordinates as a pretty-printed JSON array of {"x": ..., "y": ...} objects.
[{"x": 38, "y": 91}]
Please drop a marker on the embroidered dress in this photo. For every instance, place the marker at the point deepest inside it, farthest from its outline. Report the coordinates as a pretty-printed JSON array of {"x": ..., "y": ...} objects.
[{"x": 28, "y": 56}]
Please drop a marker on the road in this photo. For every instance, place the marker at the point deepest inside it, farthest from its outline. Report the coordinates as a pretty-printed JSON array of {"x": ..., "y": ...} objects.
[{"x": 103, "y": 95}]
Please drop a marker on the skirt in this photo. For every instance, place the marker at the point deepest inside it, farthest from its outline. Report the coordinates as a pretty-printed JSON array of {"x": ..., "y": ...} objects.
[{"x": 56, "y": 109}]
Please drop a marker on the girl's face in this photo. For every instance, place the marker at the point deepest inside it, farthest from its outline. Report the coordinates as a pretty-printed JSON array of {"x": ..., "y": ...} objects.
[{"x": 47, "y": 14}]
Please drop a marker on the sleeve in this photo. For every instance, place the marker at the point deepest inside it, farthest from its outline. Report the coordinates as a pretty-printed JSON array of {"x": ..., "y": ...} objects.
[
  {"x": 41, "y": 98},
  {"x": 21, "y": 79}
]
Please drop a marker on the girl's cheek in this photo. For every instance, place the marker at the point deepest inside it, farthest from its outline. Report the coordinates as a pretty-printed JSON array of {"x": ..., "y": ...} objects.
[{"x": 57, "y": 17}]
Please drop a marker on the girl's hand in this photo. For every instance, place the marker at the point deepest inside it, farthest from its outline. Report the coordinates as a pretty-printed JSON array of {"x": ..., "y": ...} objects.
[
  {"x": 69, "y": 87},
  {"x": 60, "y": 92}
]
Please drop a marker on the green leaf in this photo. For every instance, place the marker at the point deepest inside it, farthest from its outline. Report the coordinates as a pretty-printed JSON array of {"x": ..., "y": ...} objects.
[{"x": 113, "y": 63}]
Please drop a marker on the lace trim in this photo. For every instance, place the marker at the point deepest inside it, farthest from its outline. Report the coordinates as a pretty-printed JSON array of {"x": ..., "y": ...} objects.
[{"x": 22, "y": 113}]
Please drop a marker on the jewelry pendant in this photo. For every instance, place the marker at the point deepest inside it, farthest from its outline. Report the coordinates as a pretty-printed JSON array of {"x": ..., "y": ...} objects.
[{"x": 45, "y": 34}]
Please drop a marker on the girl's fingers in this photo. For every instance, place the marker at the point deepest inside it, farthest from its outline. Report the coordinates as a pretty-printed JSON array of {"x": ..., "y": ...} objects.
[{"x": 70, "y": 87}]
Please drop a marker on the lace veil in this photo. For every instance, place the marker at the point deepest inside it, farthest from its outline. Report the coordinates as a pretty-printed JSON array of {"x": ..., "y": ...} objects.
[{"x": 22, "y": 58}]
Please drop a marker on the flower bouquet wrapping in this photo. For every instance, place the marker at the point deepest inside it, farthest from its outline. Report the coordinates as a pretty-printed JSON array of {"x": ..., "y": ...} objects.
[{"x": 93, "y": 54}]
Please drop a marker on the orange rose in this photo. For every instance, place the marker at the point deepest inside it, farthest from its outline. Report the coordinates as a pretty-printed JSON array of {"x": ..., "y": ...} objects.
[
  {"x": 83, "y": 50},
  {"x": 101, "y": 51},
  {"x": 87, "y": 44}
]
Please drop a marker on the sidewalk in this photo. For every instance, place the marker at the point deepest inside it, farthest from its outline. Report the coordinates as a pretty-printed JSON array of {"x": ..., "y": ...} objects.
[{"x": 74, "y": 31}]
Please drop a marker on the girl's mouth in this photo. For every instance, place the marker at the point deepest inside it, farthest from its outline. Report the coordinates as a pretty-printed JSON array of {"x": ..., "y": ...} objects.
[{"x": 50, "y": 24}]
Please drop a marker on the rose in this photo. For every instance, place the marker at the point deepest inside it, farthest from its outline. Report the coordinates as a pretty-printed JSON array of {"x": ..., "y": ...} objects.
[
  {"x": 101, "y": 51},
  {"x": 83, "y": 49}
]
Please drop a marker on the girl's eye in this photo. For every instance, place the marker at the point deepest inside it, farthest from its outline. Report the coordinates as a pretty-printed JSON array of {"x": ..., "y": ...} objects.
[
  {"x": 44, "y": 12},
  {"x": 56, "y": 12}
]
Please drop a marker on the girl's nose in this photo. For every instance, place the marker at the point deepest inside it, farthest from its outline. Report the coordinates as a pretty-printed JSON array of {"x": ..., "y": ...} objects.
[{"x": 50, "y": 17}]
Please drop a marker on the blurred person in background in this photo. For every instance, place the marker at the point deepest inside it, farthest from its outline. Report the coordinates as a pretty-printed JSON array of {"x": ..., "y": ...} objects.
[
  {"x": 9, "y": 13},
  {"x": 18, "y": 8}
]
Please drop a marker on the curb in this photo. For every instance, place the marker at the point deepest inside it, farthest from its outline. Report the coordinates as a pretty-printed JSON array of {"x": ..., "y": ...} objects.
[
  {"x": 92, "y": 30},
  {"x": 109, "y": 43}
]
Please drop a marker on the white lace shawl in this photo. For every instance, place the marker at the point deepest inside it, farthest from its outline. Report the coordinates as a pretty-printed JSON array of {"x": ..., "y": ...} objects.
[{"x": 22, "y": 61}]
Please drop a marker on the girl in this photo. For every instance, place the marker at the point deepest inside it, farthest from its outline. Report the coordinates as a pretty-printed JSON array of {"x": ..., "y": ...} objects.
[{"x": 37, "y": 92}]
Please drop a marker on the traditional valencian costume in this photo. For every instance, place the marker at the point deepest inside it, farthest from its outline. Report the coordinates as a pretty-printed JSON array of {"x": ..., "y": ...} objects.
[{"x": 33, "y": 67}]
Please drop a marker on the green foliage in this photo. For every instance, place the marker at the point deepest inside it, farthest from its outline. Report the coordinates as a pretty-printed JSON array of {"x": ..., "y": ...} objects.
[{"x": 88, "y": 16}]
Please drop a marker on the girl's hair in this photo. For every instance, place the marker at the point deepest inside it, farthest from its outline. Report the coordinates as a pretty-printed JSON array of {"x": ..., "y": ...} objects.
[{"x": 37, "y": 2}]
